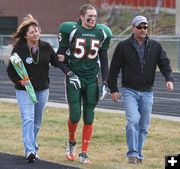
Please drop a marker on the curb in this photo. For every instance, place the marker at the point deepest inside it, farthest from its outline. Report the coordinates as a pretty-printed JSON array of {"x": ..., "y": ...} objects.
[{"x": 61, "y": 105}]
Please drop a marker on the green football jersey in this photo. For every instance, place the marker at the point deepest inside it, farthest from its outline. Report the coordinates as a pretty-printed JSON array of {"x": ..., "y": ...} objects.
[{"x": 82, "y": 47}]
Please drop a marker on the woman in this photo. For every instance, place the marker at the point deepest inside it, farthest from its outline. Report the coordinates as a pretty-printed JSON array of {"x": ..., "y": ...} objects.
[{"x": 36, "y": 56}]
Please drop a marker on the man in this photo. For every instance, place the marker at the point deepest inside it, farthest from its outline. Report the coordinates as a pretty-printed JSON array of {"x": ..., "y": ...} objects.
[
  {"x": 81, "y": 45},
  {"x": 137, "y": 58}
]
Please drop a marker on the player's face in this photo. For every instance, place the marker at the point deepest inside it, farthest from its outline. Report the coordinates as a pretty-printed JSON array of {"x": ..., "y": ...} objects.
[
  {"x": 89, "y": 19},
  {"x": 33, "y": 34}
]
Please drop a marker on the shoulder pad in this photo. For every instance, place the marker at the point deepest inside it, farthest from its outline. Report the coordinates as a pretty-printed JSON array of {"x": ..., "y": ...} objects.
[
  {"x": 67, "y": 27},
  {"x": 105, "y": 28}
]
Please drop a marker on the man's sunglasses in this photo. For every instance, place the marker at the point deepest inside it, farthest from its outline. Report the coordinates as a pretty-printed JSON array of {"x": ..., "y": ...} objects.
[{"x": 141, "y": 27}]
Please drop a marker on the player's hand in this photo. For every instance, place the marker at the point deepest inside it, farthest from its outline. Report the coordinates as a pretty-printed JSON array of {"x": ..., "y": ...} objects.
[
  {"x": 74, "y": 80},
  {"x": 103, "y": 91}
]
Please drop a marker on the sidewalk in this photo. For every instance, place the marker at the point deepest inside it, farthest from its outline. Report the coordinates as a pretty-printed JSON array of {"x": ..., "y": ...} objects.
[
  {"x": 11, "y": 161},
  {"x": 61, "y": 105}
]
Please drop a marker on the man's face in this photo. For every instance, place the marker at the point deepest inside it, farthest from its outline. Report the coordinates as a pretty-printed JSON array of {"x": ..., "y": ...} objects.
[
  {"x": 89, "y": 19},
  {"x": 140, "y": 31}
]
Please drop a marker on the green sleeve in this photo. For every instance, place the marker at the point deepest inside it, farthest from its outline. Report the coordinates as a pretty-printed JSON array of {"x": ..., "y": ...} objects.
[
  {"x": 65, "y": 30},
  {"x": 108, "y": 35}
]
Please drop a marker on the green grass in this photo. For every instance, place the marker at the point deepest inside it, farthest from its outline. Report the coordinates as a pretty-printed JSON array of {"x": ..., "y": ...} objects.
[{"x": 108, "y": 146}]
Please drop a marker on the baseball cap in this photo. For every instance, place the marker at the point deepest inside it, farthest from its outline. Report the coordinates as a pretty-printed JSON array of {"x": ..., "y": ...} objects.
[{"x": 139, "y": 19}]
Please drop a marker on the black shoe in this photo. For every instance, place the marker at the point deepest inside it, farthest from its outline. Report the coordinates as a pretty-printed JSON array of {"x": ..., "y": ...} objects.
[
  {"x": 36, "y": 156},
  {"x": 30, "y": 157},
  {"x": 139, "y": 161},
  {"x": 132, "y": 160}
]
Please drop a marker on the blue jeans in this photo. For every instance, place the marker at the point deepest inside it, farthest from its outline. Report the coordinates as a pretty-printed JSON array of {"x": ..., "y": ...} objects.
[
  {"x": 138, "y": 107},
  {"x": 31, "y": 117}
]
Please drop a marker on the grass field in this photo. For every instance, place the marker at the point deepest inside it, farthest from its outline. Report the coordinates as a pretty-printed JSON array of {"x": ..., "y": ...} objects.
[{"x": 108, "y": 147}]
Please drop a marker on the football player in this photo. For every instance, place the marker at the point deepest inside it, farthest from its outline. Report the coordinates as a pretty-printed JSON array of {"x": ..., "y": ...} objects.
[{"x": 82, "y": 45}]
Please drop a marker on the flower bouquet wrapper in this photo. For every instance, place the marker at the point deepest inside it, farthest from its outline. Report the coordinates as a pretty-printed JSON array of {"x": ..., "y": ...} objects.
[{"x": 21, "y": 70}]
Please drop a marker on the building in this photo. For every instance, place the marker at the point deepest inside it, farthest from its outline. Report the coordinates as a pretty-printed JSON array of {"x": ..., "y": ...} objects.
[
  {"x": 142, "y": 3},
  {"x": 49, "y": 13}
]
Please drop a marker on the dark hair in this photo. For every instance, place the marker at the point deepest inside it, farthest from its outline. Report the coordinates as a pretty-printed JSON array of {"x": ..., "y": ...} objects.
[
  {"x": 84, "y": 8},
  {"x": 22, "y": 29}
]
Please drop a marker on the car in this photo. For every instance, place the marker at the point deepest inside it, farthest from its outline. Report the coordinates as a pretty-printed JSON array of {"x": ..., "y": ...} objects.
[{"x": 5, "y": 52}]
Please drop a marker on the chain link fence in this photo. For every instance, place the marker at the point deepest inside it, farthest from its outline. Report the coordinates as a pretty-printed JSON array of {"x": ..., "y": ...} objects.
[{"x": 171, "y": 45}]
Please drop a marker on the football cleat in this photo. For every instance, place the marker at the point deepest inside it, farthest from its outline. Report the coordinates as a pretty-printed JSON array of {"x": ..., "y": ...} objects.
[
  {"x": 84, "y": 159},
  {"x": 70, "y": 150}
]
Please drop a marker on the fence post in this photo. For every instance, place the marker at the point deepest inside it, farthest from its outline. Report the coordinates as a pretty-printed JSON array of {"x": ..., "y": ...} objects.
[{"x": 1, "y": 49}]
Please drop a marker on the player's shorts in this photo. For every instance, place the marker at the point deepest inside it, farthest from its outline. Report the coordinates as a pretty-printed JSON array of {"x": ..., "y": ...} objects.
[{"x": 88, "y": 94}]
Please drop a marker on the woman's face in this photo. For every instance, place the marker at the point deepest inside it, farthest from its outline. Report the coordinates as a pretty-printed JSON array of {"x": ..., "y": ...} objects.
[{"x": 33, "y": 34}]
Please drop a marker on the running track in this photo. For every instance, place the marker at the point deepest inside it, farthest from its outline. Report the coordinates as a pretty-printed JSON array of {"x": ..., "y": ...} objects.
[{"x": 165, "y": 103}]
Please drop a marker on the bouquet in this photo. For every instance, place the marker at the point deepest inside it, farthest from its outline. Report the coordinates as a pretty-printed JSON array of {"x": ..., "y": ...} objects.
[{"x": 21, "y": 70}]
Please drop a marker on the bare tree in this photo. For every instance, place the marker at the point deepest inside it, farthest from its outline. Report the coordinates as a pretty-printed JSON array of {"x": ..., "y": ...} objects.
[{"x": 158, "y": 6}]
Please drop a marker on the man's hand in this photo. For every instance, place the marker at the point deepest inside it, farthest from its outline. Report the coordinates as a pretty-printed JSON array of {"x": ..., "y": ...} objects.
[
  {"x": 169, "y": 86},
  {"x": 104, "y": 90},
  {"x": 74, "y": 80}
]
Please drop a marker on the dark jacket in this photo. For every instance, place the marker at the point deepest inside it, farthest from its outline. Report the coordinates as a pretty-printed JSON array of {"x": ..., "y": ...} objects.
[
  {"x": 135, "y": 76},
  {"x": 38, "y": 73}
]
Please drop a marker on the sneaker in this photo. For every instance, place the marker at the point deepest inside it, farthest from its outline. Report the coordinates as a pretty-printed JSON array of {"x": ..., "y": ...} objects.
[
  {"x": 36, "y": 156},
  {"x": 84, "y": 159},
  {"x": 132, "y": 160},
  {"x": 70, "y": 150},
  {"x": 30, "y": 157}
]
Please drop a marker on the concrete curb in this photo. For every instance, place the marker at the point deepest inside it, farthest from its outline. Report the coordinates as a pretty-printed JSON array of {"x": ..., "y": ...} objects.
[{"x": 61, "y": 105}]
